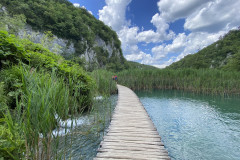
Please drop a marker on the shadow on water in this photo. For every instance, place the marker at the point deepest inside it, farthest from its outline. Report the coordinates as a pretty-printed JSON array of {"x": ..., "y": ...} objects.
[
  {"x": 195, "y": 126},
  {"x": 83, "y": 140}
]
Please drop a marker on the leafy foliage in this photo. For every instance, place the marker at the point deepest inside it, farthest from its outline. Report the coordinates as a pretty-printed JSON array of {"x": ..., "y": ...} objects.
[
  {"x": 12, "y": 143},
  {"x": 3, "y": 99},
  {"x": 36, "y": 85},
  {"x": 64, "y": 20},
  {"x": 13, "y": 50},
  {"x": 222, "y": 54},
  {"x": 9, "y": 23}
]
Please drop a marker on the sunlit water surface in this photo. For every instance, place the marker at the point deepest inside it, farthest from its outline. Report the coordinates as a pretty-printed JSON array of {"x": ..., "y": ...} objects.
[{"x": 195, "y": 127}]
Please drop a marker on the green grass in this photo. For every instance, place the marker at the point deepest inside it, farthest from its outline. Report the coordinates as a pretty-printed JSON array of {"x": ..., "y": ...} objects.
[
  {"x": 36, "y": 85},
  {"x": 104, "y": 82},
  {"x": 39, "y": 98},
  {"x": 200, "y": 81}
]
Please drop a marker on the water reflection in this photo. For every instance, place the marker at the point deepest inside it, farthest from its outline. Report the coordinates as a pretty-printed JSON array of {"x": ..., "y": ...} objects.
[
  {"x": 194, "y": 126},
  {"x": 82, "y": 142}
]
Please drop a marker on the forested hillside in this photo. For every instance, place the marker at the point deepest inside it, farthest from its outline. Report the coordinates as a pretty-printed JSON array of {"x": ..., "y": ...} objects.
[
  {"x": 223, "y": 54},
  {"x": 72, "y": 23}
]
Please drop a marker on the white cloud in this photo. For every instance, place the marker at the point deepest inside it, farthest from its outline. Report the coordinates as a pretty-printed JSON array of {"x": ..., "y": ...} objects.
[
  {"x": 148, "y": 36},
  {"x": 159, "y": 52},
  {"x": 113, "y": 14},
  {"x": 205, "y": 19},
  {"x": 160, "y": 23},
  {"x": 162, "y": 33},
  {"x": 174, "y": 9},
  {"x": 177, "y": 46},
  {"x": 145, "y": 58},
  {"x": 76, "y": 4},
  {"x": 215, "y": 16}
]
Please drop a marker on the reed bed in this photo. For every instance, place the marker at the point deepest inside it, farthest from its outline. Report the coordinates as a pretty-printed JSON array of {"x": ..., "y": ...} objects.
[
  {"x": 42, "y": 100},
  {"x": 105, "y": 84},
  {"x": 207, "y": 81}
]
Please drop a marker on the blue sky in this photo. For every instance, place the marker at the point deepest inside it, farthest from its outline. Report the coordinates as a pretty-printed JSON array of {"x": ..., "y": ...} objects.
[{"x": 160, "y": 32}]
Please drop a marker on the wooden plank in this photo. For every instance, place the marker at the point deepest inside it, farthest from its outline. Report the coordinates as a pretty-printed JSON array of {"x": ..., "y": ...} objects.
[
  {"x": 145, "y": 133},
  {"x": 132, "y": 147},
  {"x": 135, "y": 142},
  {"x": 131, "y": 133},
  {"x": 131, "y": 151},
  {"x": 130, "y": 156}
]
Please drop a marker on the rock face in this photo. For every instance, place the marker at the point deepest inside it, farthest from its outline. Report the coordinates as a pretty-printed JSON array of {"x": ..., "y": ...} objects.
[
  {"x": 90, "y": 54},
  {"x": 60, "y": 46},
  {"x": 99, "y": 47},
  {"x": 54, "y": 44}
]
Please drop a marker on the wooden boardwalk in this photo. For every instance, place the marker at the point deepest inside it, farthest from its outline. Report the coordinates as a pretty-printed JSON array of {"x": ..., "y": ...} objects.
[{"x": 131, "y": 134}]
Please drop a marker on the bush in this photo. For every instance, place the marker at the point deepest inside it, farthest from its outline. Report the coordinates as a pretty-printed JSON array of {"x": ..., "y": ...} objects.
[{"x": 14, "y": 50}]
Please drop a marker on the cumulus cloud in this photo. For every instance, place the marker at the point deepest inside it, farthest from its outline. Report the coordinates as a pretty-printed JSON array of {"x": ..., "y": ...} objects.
[
  {"x": 148, "y": 36},
  {"x": 128, "y": 38},
  {"x": 177, "y": 46},
  {"x": 160, "y": 34},
  {"x": 113, "y": 14},
  {"x": 174, "y": 9},
  {"x": 205, "y": 19},
  {"x": 143, "y": 57},
  {"x": 215, "y": 16}
]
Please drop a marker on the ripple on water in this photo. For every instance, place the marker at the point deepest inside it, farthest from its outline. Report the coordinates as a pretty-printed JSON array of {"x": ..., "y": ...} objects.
[{"x": 195, "y": 126}]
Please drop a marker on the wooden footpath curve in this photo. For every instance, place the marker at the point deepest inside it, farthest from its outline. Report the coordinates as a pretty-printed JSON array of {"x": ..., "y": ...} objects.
[{"x": 131, "y": 134}]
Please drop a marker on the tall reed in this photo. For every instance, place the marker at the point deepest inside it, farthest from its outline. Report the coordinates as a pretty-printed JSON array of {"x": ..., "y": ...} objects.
[
  {"x": 104, "y": 82},
  {"x": 43, "y": 101},
  {"x": 201, "y": 81}
]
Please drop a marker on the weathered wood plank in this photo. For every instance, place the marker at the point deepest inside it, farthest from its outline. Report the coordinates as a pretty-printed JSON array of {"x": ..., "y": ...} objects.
[
  {"x": 131, "y": 156},
  {"x": 131, "y": 133},
  {"x": 133, "y": 147},
  {"x": 149, "y": 152},
  {"x": 135, "y": 142}
]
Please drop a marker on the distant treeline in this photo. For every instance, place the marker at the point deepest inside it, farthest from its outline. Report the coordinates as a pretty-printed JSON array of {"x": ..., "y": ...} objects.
[{"x": 223, "y": 54}]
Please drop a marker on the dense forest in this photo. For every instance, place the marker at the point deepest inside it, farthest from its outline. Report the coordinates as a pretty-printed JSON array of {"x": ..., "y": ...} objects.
[
  {"x": 72, "y": 23},
  {"x": 223, "y": 54},
  {"x": 63, "y": 19}
]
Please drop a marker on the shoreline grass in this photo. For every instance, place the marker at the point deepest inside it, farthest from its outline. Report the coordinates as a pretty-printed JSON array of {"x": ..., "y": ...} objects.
[{"x": 207, "y": 81}]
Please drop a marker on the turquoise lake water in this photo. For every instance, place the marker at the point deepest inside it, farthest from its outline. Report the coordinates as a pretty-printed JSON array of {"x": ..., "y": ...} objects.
[
  {"x": 195, "y": 127},
  {"x": 83, "y": 140}
]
